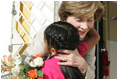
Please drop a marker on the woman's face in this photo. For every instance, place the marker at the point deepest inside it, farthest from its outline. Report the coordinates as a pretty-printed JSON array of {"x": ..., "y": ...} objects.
[{"x": 83, "y": 24}]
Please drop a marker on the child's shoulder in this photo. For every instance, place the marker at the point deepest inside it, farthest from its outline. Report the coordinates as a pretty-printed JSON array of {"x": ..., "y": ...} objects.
[
  {"x": 51, "y": 62},
  {"x": 51, "y": 69}
]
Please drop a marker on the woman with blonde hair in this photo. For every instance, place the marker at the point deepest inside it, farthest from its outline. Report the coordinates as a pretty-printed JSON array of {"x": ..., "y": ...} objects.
[{"x": 82, "y": 15}]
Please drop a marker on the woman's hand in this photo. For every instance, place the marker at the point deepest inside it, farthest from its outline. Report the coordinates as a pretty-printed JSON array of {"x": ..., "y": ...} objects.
[{"x": 72, "y": 58}]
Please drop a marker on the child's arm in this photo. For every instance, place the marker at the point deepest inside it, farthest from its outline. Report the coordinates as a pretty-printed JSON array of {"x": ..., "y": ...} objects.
[{"x": 93, "y": 38}]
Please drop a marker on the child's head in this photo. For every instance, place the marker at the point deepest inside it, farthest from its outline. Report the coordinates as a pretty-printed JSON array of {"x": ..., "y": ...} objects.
[{"x": 60, "y": 35}]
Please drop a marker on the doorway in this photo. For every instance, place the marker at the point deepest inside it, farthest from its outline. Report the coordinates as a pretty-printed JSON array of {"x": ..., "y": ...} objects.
[{"x": 99, "y": 53}]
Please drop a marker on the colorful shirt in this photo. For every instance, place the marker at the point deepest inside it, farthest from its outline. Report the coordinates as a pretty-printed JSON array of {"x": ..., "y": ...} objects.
[{"x": 52, "y": 70}]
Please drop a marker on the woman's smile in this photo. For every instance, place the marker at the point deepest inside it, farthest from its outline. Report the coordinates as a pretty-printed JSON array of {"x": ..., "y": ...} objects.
[{"x": 81, "y": 32}]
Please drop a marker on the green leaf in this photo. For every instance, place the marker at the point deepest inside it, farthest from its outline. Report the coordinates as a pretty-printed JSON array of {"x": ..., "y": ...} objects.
[
  {"x": 39, "y": 73},
  {"x": 23, "y": 57}
]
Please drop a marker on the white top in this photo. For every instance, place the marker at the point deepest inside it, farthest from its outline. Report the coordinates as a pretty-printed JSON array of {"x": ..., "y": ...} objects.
[{"x": 90, "y": 59}]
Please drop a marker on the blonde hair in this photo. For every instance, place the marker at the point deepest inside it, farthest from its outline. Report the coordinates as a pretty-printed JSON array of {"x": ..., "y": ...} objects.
[{"x": 80, "y": 8}]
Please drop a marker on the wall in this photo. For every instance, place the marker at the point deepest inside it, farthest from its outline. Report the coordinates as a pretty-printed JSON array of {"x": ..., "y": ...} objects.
[
  {"x": 112, "y": 39},
  {"x": 113, "y": 59},
  {"x": 112, "y": 12}
]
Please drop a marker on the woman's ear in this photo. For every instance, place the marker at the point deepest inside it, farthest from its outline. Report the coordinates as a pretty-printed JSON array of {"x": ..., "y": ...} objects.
[{"x": 53, "y": 51}]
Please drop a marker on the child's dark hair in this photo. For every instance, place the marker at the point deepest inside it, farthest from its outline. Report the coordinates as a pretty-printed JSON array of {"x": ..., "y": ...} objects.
[{"x": 62, "y": 35}]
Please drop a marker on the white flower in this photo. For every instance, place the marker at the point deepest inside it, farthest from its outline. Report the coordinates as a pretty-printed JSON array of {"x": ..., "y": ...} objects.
[
  {"x": 37, "y": 62},
  {"x": 16, "y": 70},
  {"x": 17, "y": 60},
  {"x": 32, "y": 64}
]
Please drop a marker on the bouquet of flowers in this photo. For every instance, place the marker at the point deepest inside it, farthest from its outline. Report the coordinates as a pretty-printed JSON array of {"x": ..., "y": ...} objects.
[{"x": 17, "y": 68}]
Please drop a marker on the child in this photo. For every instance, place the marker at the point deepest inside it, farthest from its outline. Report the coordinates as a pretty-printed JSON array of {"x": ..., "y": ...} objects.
[{"x": 61, "y": 35}]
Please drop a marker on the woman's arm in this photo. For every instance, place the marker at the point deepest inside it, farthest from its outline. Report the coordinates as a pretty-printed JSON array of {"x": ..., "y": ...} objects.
[
  {"x": 92, "y": 38},
  {"x": 74, "y": 59},
  {"x": 90, "y": 59}
]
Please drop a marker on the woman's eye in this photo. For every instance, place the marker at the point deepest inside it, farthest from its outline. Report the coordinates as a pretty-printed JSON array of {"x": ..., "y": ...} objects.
[
  {"x": 78, "y": 20},
  {"x": 90, "y": 20}
]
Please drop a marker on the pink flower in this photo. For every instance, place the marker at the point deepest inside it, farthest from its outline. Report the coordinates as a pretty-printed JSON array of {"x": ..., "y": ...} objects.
[{"x": 7, "y": 59}]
